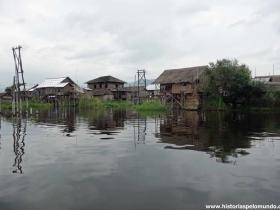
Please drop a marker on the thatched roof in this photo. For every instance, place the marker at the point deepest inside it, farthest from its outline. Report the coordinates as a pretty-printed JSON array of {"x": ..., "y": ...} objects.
[
  {"x": 182, "y": 75},
  {"x": 105, "y": 79}
]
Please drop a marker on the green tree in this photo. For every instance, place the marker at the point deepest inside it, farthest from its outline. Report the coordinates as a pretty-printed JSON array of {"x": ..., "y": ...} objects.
[
  {"x": 9, "y": 90},
  {"x": 229, "y": 80}
]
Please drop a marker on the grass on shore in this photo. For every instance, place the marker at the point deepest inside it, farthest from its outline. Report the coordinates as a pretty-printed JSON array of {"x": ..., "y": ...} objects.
[
  {"x": 94, "y": 103},
  {"x": 31, "y": 104},
  {"x": 150, "y": 106}
]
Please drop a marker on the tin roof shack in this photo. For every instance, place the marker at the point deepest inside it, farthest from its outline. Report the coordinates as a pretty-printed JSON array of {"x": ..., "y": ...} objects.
[
  {"x": 153, "y": 90},
  {"x": 55, "y": 88},
  {"x": 273, "y": 82},
  {"x": 107, "y": 88},
  {"x": 181, "y": 86}
]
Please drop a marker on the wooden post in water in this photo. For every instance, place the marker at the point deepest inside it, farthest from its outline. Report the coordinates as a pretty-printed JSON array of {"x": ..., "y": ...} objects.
[
  {"x": 19, "y": 93},
  {"x": 13, "y": 98}
]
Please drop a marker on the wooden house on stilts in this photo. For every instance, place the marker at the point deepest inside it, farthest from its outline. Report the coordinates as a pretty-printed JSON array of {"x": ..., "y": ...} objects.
[
  {"x": 107, "y": 88},
  {"x": 56, "y": 90},
  {"x": 181, "y": 87}
]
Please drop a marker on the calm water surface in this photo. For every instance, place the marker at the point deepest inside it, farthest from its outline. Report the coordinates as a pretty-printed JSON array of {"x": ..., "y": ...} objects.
[{"x": 124, "y": 160}]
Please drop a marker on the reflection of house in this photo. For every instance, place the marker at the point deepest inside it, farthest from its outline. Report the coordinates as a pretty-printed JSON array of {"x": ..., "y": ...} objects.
[
  {"x": 64, "y": 118},
  {"x": 105, "y": 121},
  {"x": 271, "y": 81},
  {"x": 209, "y": 133},
  {"x": 57, "y": 87},
  {"x": 107, "y": 88},
  {"x": 181, "y": 86},
  {"x": 182, "y": 131}
]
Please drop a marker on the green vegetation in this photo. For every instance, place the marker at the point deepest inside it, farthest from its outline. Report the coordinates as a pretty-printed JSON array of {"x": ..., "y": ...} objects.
[
  {"x": 150, "y": 106},
  {"x": 117, "y": 104},
  {"x": 227, "y": 80},
  {"x": 228, "y": 85},
  {"x": 214, "y": 103},
  {"x": 38, "y": 105},
  {"x": 31, "y": 104},
  {"x": 94, "y": 103},
  {"x": 90, "y": 103}
]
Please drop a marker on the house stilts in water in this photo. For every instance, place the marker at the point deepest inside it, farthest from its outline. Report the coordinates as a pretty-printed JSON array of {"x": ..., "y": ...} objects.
[{"x": 181, "y": 87}]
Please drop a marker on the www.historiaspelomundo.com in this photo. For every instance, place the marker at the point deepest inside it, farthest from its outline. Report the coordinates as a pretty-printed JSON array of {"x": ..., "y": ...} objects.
[{"x": 242, "y": 206}]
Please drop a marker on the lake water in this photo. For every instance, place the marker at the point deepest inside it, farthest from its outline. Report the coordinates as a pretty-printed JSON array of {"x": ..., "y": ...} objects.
[{"x": 64, "y": 160}]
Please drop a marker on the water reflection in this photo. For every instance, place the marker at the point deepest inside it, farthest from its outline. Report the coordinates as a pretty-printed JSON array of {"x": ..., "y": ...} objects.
[
  {"x": 177, "y": 161},
  {"x": 64, "y": 117},
  {"x": 223, "y": 136},
  {"x": 139, "y": 129},
  {"x": 19, "y": 132},
  {"x": 104, "y": 122}
]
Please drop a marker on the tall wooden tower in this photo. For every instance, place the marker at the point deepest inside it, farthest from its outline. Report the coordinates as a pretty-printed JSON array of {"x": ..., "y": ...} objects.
[{"x": 19, "y": 91}]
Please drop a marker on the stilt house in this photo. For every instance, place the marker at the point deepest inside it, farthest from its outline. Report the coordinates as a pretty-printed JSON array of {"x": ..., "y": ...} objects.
[
  {"x": 57, "y": 88},
  {"x": 181, "y": 86},
  {"x": 107, "y": 88}
]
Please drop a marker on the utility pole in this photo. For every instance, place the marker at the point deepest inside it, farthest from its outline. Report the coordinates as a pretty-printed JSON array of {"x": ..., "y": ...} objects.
[
  {"x": 141, "y": 81},
  {"x": 19, "y": 91}
]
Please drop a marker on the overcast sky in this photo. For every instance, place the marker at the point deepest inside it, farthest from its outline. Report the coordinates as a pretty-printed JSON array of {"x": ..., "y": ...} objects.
[{"x": 89, "y": 38}]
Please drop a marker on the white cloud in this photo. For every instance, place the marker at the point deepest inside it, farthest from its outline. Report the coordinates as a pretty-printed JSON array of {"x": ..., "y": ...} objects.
[{"x": 89, "y": 38}]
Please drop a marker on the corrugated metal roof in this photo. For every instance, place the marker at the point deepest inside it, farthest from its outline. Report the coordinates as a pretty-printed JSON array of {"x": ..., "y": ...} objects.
[
  {"x": 86, "y": 88},
  {"x": 269, "y": 78},
  {"x": 58, "y": 83},
  {"x": 53, "y": 82},
  {"x": 262, "y": 79},
  {"x": 153, "y": 87},
  {"x": 32, "y": 88}
]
